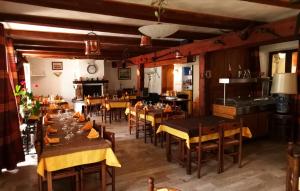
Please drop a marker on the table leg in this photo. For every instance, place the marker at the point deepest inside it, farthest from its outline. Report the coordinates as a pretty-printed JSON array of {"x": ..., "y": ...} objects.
[
  {"x": 188, "y": 161},
  {"x": 168, "y": 147},
  {"x": 49, "y": 181},
  {"x": 103, "y": 175},
  {"x": 155, "y": 136}
]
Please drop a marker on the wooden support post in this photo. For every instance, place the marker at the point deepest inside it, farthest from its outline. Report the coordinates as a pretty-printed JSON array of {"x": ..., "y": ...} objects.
[
  {"x": 202, "y": 84},
  {"x": 140, "y": 79}
]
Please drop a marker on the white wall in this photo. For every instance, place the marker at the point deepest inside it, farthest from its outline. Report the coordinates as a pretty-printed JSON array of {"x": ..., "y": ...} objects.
[
  {"x": 111, "y": 74},
  {"x": 50, "y": 84},
  {"x": 265, "y": 50},
  {"x": 177, "y": 77},
  {"x": 155, "y": 82}
]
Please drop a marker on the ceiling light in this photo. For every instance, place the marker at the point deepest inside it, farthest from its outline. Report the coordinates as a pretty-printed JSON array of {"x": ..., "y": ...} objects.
[
  {"x": 145, "y": 41},
  {"x": 159, "y": 30},
  {"x": 92, "y": 44}
]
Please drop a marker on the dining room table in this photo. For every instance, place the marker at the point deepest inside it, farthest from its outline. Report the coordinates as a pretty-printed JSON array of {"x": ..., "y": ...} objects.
[
  {"x": 73, "y": 149},
  {"x": 188, "y": 131},
  {"x": 154, "y": 115}
]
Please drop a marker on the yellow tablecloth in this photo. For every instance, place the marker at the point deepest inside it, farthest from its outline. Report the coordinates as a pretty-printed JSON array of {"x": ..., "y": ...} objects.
[
  {"x": 117, "y": 104},
  {"x": 75, "y": 159},
  {"x": 150, "y": 118},
  {"x": 183, "y": 135},
  {"x": 94, "y": 101}
]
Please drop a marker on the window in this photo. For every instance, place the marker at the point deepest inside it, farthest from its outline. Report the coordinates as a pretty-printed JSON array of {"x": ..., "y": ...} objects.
[{"x": 283, "y": 62}]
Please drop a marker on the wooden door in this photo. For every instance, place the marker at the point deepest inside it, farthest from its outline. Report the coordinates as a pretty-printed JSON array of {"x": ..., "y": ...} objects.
[{"x": 167, "y": 78}]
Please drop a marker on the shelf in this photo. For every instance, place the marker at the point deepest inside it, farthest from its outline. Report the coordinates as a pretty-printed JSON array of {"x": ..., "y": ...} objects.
[
  {"x": 38, "y": 75},
  {"x": 90, "y": 81},
  {"x": 237, "y": 80}
]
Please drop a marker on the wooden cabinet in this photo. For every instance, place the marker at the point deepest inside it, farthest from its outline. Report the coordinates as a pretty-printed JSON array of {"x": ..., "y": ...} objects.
[{"x": 258, "y": 123}]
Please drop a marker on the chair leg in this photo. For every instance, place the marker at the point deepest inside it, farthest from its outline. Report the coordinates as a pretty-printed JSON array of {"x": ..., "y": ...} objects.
[
  {"x": 81, "y": 180},
  {"x": 113, "y": 179},
  {"x": 40, "y": 183},
  {"x": 145, "y": 133},
  {"x": 199, "y": 163},
  {"x": 240, "y": 155}
]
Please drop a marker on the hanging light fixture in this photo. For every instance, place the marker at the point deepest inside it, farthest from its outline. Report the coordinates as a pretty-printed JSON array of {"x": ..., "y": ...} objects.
[
  {"x": 145, "y": 41},
  {"x": 159, "y": 30},
  {"x": 92, "y": 44}
]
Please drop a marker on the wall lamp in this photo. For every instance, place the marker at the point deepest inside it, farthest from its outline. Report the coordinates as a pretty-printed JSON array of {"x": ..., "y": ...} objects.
[{"x": 177, "y": 54}]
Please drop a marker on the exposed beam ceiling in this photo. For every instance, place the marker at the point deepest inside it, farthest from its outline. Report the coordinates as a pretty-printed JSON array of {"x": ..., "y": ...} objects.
[
  {"x": 135, "y": 11},
  {"x": 96, "y": 26},
  {"x": 279, "y": 31},
  {"x": 280, "y": 3},
  {"x": 22, "y": 34}
]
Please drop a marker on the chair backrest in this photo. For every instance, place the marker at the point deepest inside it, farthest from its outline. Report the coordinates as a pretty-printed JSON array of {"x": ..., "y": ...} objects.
[
  {"x": 39, "y": 138},
  {"x": 99, "y": 128},
  {"x": 293, "y": 167},
  {"x": 234, "y": 125},
  {"x": 105, "y": 134},
  {"x": 207, "y": 130},
  {"x": 152, "y": 188},
  {"x": 111, "y": 137}
]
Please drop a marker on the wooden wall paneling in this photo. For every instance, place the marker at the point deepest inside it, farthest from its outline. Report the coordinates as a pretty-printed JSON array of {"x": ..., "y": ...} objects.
[
  {"x": 167, "y": 78},
  {"x": 218, "y": 63},
  {"x": 297, "y": 98}
]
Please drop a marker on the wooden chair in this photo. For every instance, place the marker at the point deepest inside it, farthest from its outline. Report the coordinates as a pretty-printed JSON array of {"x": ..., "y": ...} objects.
[
  {"x": 152, "y": 188},
  {"x": 96, "y": 167},
  {"x": 208, "y": 146},
  {"x": 107, "y": 113},
  {"x": 55, "y": 175},
  {"x": 131, "y": 119},
  {"x": 233, "y": 142},
  {"x": 143, "y": 125},
  {"x": 293, "y": 167}
]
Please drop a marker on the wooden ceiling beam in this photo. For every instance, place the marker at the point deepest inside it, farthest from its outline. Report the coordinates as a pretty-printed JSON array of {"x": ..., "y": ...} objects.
[
  {"x": 95, "y": 26},
  {"x": 143, "y": 12},
  {"x": 117, "y": 51},
  {"x": 23, "y": 34},
  {"x": 279, "y": 3},
  {"x": 80, "y": 45},
  {"x": 60, "y": 54},
  {"x": 278, "y": 31}
]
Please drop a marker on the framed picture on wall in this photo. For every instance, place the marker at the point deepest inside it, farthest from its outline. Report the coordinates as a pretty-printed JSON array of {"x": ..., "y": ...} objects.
[
  {"x": 57, "y": 66},
  {"x": 124, "y": 73}
]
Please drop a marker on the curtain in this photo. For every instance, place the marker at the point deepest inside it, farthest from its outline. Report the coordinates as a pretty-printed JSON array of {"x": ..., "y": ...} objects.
[{"x": 11, "y": 149}]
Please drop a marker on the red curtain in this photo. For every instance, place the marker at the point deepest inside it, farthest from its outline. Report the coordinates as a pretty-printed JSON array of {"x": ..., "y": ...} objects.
[{"x": 11, "y": 149}]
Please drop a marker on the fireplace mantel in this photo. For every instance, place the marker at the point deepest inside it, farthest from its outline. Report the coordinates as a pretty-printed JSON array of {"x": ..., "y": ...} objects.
[
  {"x": 89, "y": 88},
  {"x": 90, "y": 82}
]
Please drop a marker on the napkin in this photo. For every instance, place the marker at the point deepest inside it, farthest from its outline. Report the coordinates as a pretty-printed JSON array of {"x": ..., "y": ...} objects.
[
  {"x": 51, "y": 129},
  {"x": 77, "y": 114},
  {"x": 81, "y": 118},
  {"x": 138, "y": 104},
  {"x": 146, "y": 108},
  {"x": 168, "y": 108},
  {"x": 93, "y": 134},
  {"x": 52, "y": 106},
  {"x": 87, "y": 126},
  {"x": 48, "y": 140}
]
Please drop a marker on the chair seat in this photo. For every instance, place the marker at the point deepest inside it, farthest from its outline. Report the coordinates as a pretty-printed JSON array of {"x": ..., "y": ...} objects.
[{"x": 230, "y": 141}]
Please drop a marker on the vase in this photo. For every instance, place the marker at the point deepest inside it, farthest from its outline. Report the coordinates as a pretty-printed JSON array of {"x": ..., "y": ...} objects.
[{"x": 25, "y": 112}]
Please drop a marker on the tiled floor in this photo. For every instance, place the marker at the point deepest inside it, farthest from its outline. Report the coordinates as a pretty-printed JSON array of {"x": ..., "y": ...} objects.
[{"x": 263, "y": 169}]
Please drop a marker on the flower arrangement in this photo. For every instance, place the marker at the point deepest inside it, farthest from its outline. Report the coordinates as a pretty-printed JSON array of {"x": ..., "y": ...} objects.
[{"x": 27, "y": 104}]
